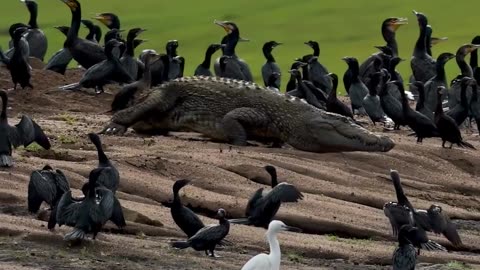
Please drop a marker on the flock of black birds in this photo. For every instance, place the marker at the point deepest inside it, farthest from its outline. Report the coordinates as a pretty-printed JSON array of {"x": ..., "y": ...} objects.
[{"x": 375, "y": 89}]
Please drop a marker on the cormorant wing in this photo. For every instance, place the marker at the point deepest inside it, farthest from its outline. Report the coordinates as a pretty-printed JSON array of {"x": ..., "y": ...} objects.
[
  {"x": 41, "y": 187},
  {"x": 419, "y": 239},
  {"x": 61, "y": 181},
  {"x": 398, "y": 215},
  {"x": 109, "y": 178},
  {"x": 283, "y": 192},
  {"x": 317, "y": 92},
  {"x": 441, "y": 224},
  {"x": 26, "y": 132},
  {"x": 422, "y": 220},
  {"x": 210, "y": 232},
  {"x": 68, "y": 210},
  {"x": 253, "y": 200},
  {"x": 117, "y": 214}
]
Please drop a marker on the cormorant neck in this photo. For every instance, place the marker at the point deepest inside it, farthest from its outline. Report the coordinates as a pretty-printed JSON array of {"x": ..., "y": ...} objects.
[
  {"x": 464, "y": 67},
  {"x": 305, "y": 73},
  {"x": 166, "y": 67},
  {"x": 428, "y": 44},
  {"x": 91, "y": 188},
  {"x": 316, "y": 50},
  {"x": 401, "y": 198},
  {"x": 389, "y": 37},
  {"x": 32, "y": 8},
  {"x": 130, "y": 51},
  {"x": 439, "y": 108},
  {"x": 97, "y": 32},
  {"x": 102, "y": 158},
  {"x": 474, "y": 59},
  {"x": 90, "y": 36},
  {"x": 274, "y": 179},
  {"x": 333, "y": 93},
  {"x": 208, "y": 58},
  {"x": 267, "y": 52},
  {"x": 3, "y": 115},
  {"x": 421, "y": 98},
  {"x": 275, "y": 252},
  {"x": 440, "y": 67},
  {"x": 232, "y": 40},
  {"x": 355, "y": 70},
  {"x": 420, "y": 46},
  {"x": 393, "y": 73},
  {"x": 75, "y": 26}
]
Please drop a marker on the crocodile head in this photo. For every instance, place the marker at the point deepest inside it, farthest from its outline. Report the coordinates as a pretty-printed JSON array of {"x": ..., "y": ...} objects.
[{"x": 331, "y": 132}]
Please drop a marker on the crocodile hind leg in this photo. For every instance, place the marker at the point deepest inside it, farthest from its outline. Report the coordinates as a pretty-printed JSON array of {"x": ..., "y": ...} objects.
[
  {"x": 158, "y": 102},
  {"x": 238, "y": 122}
]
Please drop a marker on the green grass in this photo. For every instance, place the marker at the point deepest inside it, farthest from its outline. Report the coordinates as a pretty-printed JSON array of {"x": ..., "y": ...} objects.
[
  {"x": 454, "y": 265},
  {"x": 348, "y": 27},
  {"x": 33, "y": 147},
  {"x": 65, "y": 139}
]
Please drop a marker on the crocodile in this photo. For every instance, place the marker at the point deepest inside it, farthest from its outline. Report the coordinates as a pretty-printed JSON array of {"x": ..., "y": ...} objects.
[{"x": 234, "y": 111}]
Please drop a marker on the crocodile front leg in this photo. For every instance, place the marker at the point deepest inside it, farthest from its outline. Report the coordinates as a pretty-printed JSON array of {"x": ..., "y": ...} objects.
[
  {"x": 239, "y": 122},
  {"x": 158, "y": 102}
]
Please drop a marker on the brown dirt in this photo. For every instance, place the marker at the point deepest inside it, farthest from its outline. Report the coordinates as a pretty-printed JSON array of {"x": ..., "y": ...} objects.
[{"x": 341, "y": 214}]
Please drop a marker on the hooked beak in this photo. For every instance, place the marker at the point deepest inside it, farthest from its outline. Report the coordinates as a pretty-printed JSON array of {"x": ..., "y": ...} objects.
[
  {"x": 71, "y": 4},
  {"x": 224, "y": 25},
  {"x": 141, "y": 30},
  {"x": 243, "y": 39},
  {"x": 415, "y": 12},
  {"x": 473, "y": 47},
  {"x": 103, "y": 19}
]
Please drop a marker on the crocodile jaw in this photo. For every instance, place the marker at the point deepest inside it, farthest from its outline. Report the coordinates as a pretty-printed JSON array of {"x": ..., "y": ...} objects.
[{"x": 335, "y": 133}]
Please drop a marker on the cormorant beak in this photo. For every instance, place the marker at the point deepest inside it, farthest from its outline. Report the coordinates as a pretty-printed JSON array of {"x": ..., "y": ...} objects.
[
  {"x": 472, "y": 48},
  {"x": 277, "y": 44},
  {"x": 436, "y": 40},
  {"x": 397, "y": 23},
  {"x": 346, "y": 58},
  {"x": 224, "y": 25},
  {"x": 71, "y": 4},
  {"x": 243, "y": 39},
  {"x": 415, "y": 12},
  {"x": 141, "y": 30},
  {"x": 103, "y": 19},
  {"x": 291, "y": 229},
  {"x": 291, "y": 71}
]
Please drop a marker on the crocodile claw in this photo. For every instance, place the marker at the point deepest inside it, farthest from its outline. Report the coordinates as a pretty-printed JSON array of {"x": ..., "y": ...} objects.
[{"x": 113, "y": 129}]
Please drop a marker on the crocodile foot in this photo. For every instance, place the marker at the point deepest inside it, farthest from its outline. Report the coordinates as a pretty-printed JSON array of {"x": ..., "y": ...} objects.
[{"x": 113, "y": 129}]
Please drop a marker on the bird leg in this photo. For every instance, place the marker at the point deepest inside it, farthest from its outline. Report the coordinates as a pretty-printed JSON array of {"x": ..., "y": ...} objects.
[
  {"x": 212, "y": 254},
  {"x": 443, "y": 144}
]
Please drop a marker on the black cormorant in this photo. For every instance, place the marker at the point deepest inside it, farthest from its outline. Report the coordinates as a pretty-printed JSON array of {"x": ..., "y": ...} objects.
[
  {"x": 422, "y": 64},
  {"x": 86, "y": 53},
  {"x": 46, "y": 185},
  {"x": 391, "y": 106},
  {"x": 292, "y": 82},
  {"x": 389, "y": 28},
  {"x": 23, "y": 41},
  {"x": 208, "y": 237},
  {"x": 94, "y": 31},
  {"x": 270, "y": 66},
  {"x": 434, "y": 220},
  {"x": 405, "y": 255},
  {"x": 261, "y": 208},
  {"x": 107, "y": 71},
  {"x": 446, "y": 125},
  {"x": 204, "y": 68},
  {"x": 128, "y": 60},
  {"x": 185, "y": 218},
  {"x": 110, "y": 20},
  {"x": 371, "y": 102},
  {"x": 125, "y": 96},
  {"x": 233, "y": 36},
  {"x": 318, "y": 73},
  {"x": 357, "y": 90},
  {"x": 475, "y": 106},
  {"x": 419, "y": 123},
  {"x": 306, "y": 92},
  {"x": 90, "y": 214},
  {"x": 391, "y": 68},
  {"x": 60, "y": 60},
  {"x": 35, "y": 37},
  {"x": 420, "y": 106},
  {"x": 334, "y": 105},
  {"x": 439, "y": 79},
  {"x": 460, "y": 111},
  {"x": 23, "y": 133},
  {"x": 108, "y": 175},
  {"x": 454, "y": 93},
  {"x": 171, "y": 50},
  {"x": 20, "y": 70}
]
